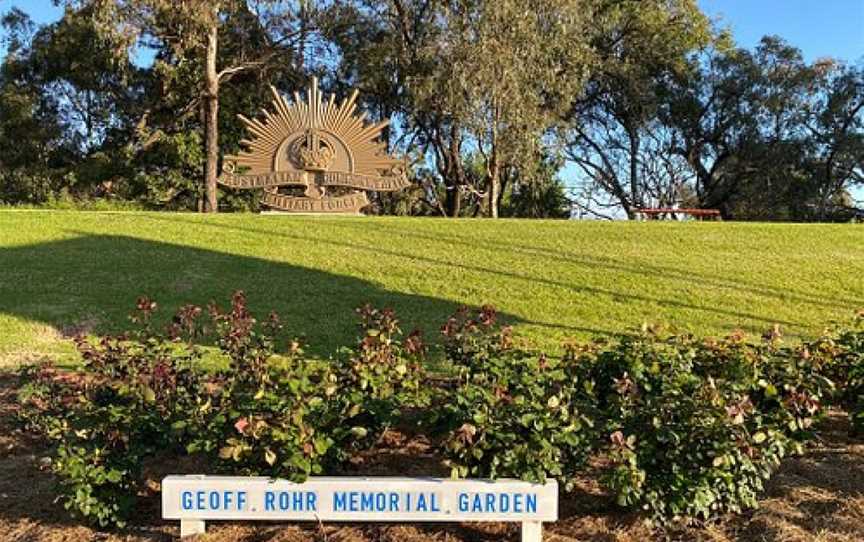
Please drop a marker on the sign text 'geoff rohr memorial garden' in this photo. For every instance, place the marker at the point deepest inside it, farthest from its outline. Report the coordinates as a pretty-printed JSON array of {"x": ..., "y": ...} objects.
[{"x": 195, "y": 499}]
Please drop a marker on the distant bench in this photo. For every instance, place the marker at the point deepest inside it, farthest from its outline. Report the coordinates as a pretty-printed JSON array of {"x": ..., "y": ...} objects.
[{"x": 663, "y": 212}]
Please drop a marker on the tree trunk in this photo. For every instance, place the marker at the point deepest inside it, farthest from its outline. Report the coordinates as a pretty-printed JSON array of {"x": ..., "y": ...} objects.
[
  {"x": 494, "y": 190},
  {"x": 635, "y": 197},
  {"x": 493, "y": 169},
  {"x": 453, "y": 202},
  {"x": 211, "y": 122}
]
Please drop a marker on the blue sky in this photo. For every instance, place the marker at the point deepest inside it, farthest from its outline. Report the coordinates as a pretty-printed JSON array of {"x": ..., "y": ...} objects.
[{"x": 819, "y": 27}]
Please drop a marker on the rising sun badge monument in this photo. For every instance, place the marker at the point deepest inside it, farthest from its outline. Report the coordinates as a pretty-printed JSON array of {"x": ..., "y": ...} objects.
[{"x": 315, "y": 156}]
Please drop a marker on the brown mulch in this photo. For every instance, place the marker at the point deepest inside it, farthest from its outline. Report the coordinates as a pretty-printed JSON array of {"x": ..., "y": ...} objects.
[{"x": 818, "y": 497}]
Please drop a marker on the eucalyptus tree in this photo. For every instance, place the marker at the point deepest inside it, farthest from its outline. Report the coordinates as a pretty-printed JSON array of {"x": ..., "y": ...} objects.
[
  {"x": 639, "y": 47},
  {"x": 186, "y": 35},
  {"x": 66, "y": 96},
  {"x": 836, "y": 128},
  {"x": 31, "y": 128},
  {"x": 508, "y": 71},
  {"x": 766, "y": 134},
  {"x": 477, "y": 79}
]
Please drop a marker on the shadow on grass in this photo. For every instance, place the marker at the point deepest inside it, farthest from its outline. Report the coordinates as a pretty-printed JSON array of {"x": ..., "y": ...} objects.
[{"x": 90, "y": 283}]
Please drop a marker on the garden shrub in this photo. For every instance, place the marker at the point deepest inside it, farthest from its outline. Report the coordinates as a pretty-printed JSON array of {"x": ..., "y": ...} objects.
[
  {"x": 840, "y": 354},
  {"x": 383, "y": 372},
  {"x": 318, "y": 411},
  {"x": 786, "y": 385},
  {"x": 510, "y": 413},
  {"x": 109, "y": 417},
  {"x": 694, "y": 428},
  {"x": 691, "y": 428},
  {"x": 146, "y": 393}
]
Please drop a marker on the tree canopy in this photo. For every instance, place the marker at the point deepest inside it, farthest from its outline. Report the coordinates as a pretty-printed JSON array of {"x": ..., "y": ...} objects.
[{"x": 524, "y": 108}]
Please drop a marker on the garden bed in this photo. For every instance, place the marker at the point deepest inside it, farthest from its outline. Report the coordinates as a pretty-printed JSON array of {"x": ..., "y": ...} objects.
[{"x": 817, "y": 497}]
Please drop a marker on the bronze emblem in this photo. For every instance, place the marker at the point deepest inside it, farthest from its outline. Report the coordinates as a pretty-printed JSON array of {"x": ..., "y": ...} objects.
[{"x": 323, "y": 148}]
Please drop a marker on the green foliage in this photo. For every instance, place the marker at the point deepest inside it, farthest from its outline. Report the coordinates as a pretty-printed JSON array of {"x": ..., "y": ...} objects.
[
  {"x": 840, "y": 354},
  {"x": 795, "y": 167},
  {"x": 535, "y": 191},
  {"x": 694, "y": 428},
  {"x": 168, "y": 171},
  {"x": 382, "y": 372},
  {"x": 785, "y": 385},
  {"x": 146, "y": 393},
  {"x": 673, "y": 115},
  {"x": 291, "y": 416},
  {"x": 509, "y": 413},
  {"x": 108, "y": 418},
  {"x": 689, "y": 428}
]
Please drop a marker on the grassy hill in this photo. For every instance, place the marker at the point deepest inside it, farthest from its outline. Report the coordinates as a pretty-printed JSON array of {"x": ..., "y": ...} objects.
[{"x": 66, "y": 271}]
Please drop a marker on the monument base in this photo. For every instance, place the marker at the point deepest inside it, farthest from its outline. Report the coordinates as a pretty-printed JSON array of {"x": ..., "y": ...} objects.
[{"x": 296, "y": 213}]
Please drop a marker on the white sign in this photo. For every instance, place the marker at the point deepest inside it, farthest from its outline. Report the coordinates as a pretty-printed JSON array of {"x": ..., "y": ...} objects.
[{"x": 194, "y": 499}]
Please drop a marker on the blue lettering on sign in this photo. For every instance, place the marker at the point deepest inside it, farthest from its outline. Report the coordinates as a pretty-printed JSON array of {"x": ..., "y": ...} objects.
[
  {"x": 353, "y": 501},
  {"x": 490, "y": 503},
  {"x": 463, "y": 502},
  {"x": 293, "y": 501},
  {"x": 339, "y": 500},
  {"x": 380, "y": 501},
  {"x": 213, "y": 500},
  {"x": 361, "y": 501}
]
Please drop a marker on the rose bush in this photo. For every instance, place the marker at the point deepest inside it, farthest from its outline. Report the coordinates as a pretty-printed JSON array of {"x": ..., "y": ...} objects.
[
  {"x": 688, "y": 427},
  {"x": 694, "y": 427},
  {"x": 509, "y": 412},
  {"x": 147, "y": 393}
]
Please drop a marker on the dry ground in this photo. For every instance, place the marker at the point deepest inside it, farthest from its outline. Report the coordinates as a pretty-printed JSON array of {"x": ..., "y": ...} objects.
[{"x": 819, "y": 497}]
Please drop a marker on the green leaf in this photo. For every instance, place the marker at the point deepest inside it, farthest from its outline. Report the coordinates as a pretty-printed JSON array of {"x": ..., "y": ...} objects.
[{"x": 226, "y": 452}]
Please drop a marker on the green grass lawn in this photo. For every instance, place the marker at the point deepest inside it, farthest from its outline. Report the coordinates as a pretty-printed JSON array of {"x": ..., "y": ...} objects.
[{"x": 67, "y": 270}]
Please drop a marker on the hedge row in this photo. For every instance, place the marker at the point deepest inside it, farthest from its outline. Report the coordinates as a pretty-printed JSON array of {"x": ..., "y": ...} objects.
[{"x": 690, "y": 427}]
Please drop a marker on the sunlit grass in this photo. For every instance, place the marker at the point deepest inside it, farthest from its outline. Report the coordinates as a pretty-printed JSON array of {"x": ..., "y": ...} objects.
[{"x": 64, "y": 271}]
